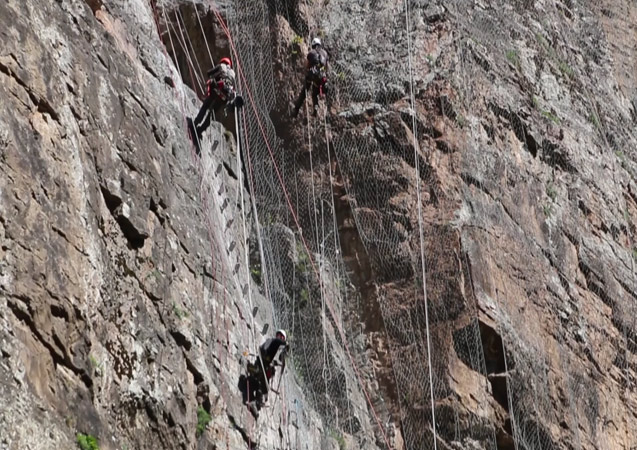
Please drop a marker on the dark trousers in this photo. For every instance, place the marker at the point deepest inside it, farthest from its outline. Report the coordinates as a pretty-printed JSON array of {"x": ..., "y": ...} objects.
[
  {"x": 316, "y": 90},
  {"x": 257, "y": 383},
  {"x": 211, "y": 104}
]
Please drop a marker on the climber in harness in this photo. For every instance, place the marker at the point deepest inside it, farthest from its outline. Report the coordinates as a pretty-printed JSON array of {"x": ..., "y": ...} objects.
[
  {"x": 315, "y": 78},
  {"x": 263, "y": 370},
  {"x": 220, "y": 92}
]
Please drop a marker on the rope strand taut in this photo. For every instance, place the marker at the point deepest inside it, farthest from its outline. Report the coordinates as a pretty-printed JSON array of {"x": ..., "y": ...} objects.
[
  {"x": 294, "y": 215},
  {"x": 421, "y": 238},
  {"x": 297, "y": 223}
]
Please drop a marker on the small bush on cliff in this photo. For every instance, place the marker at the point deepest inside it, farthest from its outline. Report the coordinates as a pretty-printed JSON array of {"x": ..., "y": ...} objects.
[
  {"x": 338, "y": 437},
  {"x": 514, "y": 57},
  {"x": 203, "y": 419},
  {"x": 180, "y": 313},
  {"x": 551, "y": 191},
  {"x": 552, "y": 117},
  {"x": 566, "y": 70},
  {"x": 95, "y": 364},
  {"x": 87, "y": 442},
  {"x": 296, "y": 43},
  {"x": 594, "y": 120},
  {"x": 548, "y": 210}
]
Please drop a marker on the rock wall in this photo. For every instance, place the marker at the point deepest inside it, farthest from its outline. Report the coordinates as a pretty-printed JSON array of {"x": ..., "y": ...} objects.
[
  {"x": 525, "y": 127},
  {"x": 124, "y": 309},
  {"x": 475, "y": 248}
]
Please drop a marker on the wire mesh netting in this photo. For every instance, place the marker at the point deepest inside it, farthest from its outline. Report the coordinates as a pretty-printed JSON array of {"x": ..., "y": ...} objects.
[{"x": 363, "y": 236}]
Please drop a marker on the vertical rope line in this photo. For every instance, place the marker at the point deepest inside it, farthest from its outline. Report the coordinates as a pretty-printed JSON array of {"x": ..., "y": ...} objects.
[
  {"x": 420, "y": 225},
  {"x": 189, "y": 62},
  {"x": 203, "y": 33},
  {"x": 180, "y": 18}
]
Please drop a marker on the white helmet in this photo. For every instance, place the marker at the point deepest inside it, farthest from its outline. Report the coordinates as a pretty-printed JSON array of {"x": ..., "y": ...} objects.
[
  {"x": 316, "y": 41},
  {"x": 282, "y": 332}
]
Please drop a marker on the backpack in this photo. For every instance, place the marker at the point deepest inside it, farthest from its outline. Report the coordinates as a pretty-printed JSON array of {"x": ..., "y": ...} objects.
[
  {"x": 222, "y": 72},
  {"x": 317, "y": 57},
  {"x": 317, "y": 60}
]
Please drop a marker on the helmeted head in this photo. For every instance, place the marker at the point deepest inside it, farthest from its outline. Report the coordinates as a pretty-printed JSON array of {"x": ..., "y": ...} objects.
[
  {"x": 281, "y": 335},
  {"x": 226, "y": 61},
  {"x": 316, "y": 42}
]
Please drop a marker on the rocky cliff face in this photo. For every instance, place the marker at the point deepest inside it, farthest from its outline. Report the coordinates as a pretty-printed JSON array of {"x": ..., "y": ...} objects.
[
  {"x": 124, "y": 313},
  {"x": 527, "y": 211},
  {"x": 450, "y": 244}
]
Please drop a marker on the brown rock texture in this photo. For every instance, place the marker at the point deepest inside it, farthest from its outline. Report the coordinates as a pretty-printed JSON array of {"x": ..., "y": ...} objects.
[
  {"x": 122, "y": 279},
  {"x": 525, "y": 119},
  {"x": 450, "y": 244}
]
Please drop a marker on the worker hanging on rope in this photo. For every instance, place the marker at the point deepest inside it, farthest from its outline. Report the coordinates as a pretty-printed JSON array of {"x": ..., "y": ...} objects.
[
  {"x": 255, "y": 387},
  {"x": 315, "y": 78},
  {"x": 220, "y": 92}
]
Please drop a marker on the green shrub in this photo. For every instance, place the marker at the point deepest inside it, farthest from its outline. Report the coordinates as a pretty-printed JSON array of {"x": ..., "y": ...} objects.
[
  {"x": 594, "y": 120},
  {"x": 513, "y": 57},
  {"x": 303, "y": 259},
  {"x": 566, "y": 70},
  {"x": 338, "y": 437},
  {"x": 256, "y": 274},
  {"x": 551, "y": 191},
  {"x": 87, "y": 442},
  {"x": 542, "y": 41},
  {"x": 548, "y": 210},
  {"x": 203, "y": 419},
  {"x": 297, "y": 41},
  {"x": 535, "y": 101},
  {"x": 552, "y": 117},
  {"x": 180, "y": 313}
]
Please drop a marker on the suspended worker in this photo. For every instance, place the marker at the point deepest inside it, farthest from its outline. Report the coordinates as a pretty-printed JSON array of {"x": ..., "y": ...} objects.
[
  {"x": 263, "y": 370},
  {"x": 220, "y": 92},
  {"x": 315, "y": 78}
]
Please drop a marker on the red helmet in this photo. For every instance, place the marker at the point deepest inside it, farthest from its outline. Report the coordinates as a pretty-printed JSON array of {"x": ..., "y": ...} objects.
[{"x": 226, "y": 61}]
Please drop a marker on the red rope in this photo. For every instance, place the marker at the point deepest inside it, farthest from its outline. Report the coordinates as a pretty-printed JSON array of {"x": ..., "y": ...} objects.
[
  {"x": 203, "y": 195},
  {"x": 289, "y": 203},
  {"x": 296, "y": 221}
]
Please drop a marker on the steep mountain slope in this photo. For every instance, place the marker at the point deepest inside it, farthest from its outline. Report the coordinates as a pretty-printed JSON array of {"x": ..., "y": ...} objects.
[
  {"x": 450, "y": 244},
  {"x": 525, "y": 128}
]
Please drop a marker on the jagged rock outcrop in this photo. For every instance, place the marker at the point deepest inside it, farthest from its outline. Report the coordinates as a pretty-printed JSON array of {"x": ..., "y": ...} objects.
[
  {"x": 527, "y": 209},
  {"x": 124, "y": 311},
  {"x": 473, "y": 251}
]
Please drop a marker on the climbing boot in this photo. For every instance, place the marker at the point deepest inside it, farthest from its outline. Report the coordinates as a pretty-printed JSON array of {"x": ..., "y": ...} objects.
[{"x": 253, "y": 409}]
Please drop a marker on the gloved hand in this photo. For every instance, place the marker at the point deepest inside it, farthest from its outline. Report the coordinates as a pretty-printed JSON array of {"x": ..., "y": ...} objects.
[
  {"x": 323, "y": 87},
  {"x": 238, "y": 101}
]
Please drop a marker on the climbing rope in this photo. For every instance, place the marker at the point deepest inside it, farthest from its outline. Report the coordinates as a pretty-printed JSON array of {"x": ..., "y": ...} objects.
[
  {"x": 203, "y": 33},
  {"x": 412, "y": 104},
  {"x": 194, "y": 76},
  {"x": 296, "y": 221},
  {"x": 286, "y": 194}
]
